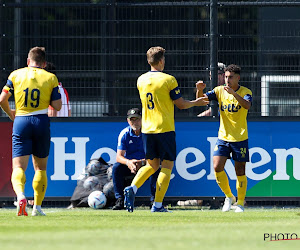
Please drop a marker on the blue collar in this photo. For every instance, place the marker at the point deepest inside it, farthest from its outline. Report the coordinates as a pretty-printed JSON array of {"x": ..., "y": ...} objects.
[
  {"x": 132, "y": 133},
  {"x": 35, "y": 67}
]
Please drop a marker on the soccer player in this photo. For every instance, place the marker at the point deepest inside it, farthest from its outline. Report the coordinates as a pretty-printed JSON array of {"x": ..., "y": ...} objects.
[
  {"x": 65, "y": 110},
  {"x": 158, "y": 93},
  {"x": 34, "y": 89},
  {"x": 234, "y": 102}
]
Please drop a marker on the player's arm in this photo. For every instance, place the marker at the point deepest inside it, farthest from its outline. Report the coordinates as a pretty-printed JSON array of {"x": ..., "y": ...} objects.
[
  {"x": 205, "y": 113},
  {"x": 5, "y": 104},
  {"x": 200, "y": 86},
  {"x": 181, "y": 103},
  {"x": 244, "y": 102},
  {"x": 185, "y": 104},
  {"x": 52, "y": 112},
  {"x": 57, "y": 104},
  {"x": 131, "y": 164},
  {"x": 56, "y": 99}
]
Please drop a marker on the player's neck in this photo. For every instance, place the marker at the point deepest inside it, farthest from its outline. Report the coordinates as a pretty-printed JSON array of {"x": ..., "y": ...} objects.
[
  {"x": 156, "y": 68},
  {"x": 236, "y": 88},
  {"x": 34, "y": 65}
]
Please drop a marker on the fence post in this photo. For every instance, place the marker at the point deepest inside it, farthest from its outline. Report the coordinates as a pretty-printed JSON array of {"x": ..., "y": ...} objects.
[
  {"x": 111, "y": 57},
  {"x": 214, "y": 51},
  {"x": 17, "y": 37}
]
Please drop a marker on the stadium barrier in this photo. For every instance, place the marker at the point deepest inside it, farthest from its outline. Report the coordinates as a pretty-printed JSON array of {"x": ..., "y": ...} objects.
[{"x": 273, "y": 172}]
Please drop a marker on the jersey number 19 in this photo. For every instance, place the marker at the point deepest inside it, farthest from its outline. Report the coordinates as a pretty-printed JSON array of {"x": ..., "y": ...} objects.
[{"x": 34, "y": 96}]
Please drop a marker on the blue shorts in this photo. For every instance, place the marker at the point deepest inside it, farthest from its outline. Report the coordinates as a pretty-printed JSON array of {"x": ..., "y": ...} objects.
[
  {"x": 239, "y": 150},
  {"x": 161, "y": 146},
  {"x": 31, "y": 135}
]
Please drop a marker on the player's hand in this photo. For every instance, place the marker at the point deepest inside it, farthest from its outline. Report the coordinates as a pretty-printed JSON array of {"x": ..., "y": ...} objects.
[
  {"x": 200, "y": 85},
  {"x": 13, "y": 114},
  {"x": 229, "y": 90},
  {"x": 202, "y": 101}
]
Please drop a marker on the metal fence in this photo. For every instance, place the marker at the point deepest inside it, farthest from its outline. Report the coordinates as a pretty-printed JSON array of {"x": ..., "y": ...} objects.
[{"x": 99, "y": 48}]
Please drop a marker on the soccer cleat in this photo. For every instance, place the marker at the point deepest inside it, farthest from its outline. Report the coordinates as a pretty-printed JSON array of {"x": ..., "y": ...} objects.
[
  {"x": 227, "y": 204},
  {"x": 119, "y": 204},
  {"x": 161, "y": 209},
  {"x": 21, "y": 208},
  {"x": 36, "y": 212},
  {"x": 239, "y": 209},
  {"x": 129, "y": 199}
]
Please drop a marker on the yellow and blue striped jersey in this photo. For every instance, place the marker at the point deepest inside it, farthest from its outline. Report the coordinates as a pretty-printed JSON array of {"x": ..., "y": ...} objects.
[
  {"x": 233, "y": 117},
  {"x": 33, "y": 88},
  {"x": 157, "y": 91}
]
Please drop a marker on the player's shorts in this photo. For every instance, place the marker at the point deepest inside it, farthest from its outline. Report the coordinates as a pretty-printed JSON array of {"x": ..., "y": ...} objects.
[
  {"x": 239, "y": 150},
  {"x": 161, "y": 146},
  {"x": 31, "y": 135}
]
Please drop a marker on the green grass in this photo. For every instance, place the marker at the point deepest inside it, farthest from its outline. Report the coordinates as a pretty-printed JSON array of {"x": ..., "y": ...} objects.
[{"x": 183, "y": 229}]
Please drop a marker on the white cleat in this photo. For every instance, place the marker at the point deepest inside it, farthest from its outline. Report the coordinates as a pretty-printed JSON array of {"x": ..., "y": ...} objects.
[
  {"x": 227, "y": 204},
  {"x": 36, "y": 212},
  {"x": 239, "y": 209}
]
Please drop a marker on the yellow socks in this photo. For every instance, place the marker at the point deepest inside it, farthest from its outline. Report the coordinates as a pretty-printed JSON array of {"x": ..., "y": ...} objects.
[
  {"x": 162, "y": 184},
  {"x": 241, "y": 187},
  {"x": 18, "y": 180},
  {"x": 142, "y": 175},
  {"x": 222, "y": 180},
  {"x": 39, "y": 185}
]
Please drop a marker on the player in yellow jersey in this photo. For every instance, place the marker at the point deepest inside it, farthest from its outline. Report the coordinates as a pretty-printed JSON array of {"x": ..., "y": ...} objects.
[
  {"x": 234, "y": 103},
  {"x": 158, "y": 93},
  {"x": 34, "y": 89}
]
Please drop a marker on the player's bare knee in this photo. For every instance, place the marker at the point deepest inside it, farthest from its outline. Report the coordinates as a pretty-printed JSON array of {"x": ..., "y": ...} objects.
[
  {"x": 218, "y": 167},
  {"x": 240, "y": 168}
]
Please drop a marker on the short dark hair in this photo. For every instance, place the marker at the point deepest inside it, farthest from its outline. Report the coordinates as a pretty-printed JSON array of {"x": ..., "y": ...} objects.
[
  {"x": 155, "y": 54},
  {"x": 233, "y": 68},
  {"x": 50, "y": 67},
  {"x": 37, "y": 54}
]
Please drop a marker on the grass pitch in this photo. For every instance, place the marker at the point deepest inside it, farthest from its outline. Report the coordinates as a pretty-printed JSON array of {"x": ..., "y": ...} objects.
[{"x": 85, "y": 228}]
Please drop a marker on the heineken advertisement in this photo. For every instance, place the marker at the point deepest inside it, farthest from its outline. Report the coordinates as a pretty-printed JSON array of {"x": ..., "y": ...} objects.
[{"x": 273, "y": 170}]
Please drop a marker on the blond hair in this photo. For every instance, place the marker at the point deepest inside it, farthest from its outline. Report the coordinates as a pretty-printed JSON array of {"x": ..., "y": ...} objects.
[{"x": 155, "y": 54}]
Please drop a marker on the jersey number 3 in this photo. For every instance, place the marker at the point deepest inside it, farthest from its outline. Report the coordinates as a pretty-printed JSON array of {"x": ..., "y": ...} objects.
[
  {"x": 150, "y": 103},
  {"x": 34, "y": 96}
]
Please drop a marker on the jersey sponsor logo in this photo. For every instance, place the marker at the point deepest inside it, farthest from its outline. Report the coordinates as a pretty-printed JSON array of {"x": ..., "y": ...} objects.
[
  {"x": 130, "y": 142},
  {"x": 230, "y": 107},
  {"x": 177, "y": 91}
]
